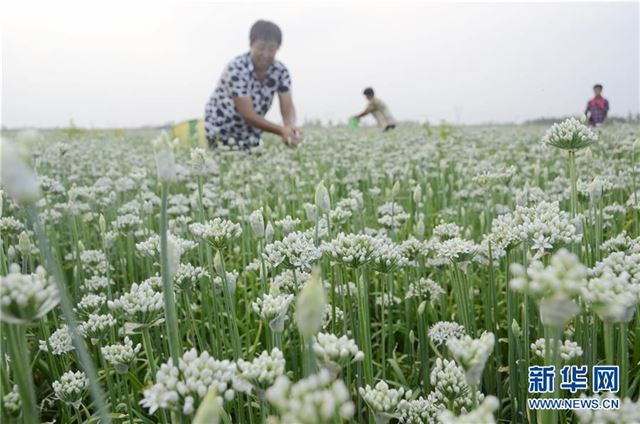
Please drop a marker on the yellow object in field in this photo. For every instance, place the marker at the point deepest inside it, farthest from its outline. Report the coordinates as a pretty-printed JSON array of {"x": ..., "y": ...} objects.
[{"x": 190, "y": 132}]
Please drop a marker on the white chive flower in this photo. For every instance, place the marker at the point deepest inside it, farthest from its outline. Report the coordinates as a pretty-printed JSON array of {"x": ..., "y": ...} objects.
[
  {"x": 425, "y": 288},
  {"x": 386, "y": 255},
  {"x": 392, "y": 215},
  {"x": 262, "y": 372},
  {"x": 60, "y": 341},
  {"x": 91, "y": 303},
  {"x": 142, "y": 303},
  {"x": 569, "y": 350},
  {"x": 353, "y": 250},
  {"x": 569, "y": 134},
  {"x": 613, "y": 291},
  {"x": 289, "y": 282},
  {"x": 628, "y": 413},
  {"x": 273, "y": 309},
  {"x": 457, "y": 250},
  {"x": 382, "y": 400},
  {"x": 121, "y": 355},
  {"x": 451, "y": 389},
  {"x": 296, "y": 251},
  {"x": 419, "y": 411},
  {"x": 188, "y": 275},
  {"x": 217, "y": 232},
  {"x": 26, "y": 297},
  {"x": 472, "y": 355},
  {"x": 612, "y": 297},
  {"x": 96, "y": 283},
  {"x": 543, "y": 226},
  {"x": 71, "y": 388},
  {"x": 483, "y": 413},
  {"x": 554, "y": 287},
  {"x": 182, "y": 388},
  {"x": 287, "y": 224},
  {"x": 442, "y": 331},
  {"x": 316, "y": 399},
  {"x": 96, "y": 325},
  {"x": 12, "y": 402},
  {"x": 334, "y": 352}
]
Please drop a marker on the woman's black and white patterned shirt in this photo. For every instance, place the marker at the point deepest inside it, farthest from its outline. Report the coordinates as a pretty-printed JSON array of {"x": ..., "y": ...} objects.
[{"x": 223, "y": 121}]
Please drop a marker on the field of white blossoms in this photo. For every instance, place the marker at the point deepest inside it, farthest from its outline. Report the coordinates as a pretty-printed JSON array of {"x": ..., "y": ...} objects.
[{"x": 409, "y": 277}]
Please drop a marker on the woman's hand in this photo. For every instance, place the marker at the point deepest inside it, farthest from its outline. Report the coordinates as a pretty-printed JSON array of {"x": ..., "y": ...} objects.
[{"x": 291, "y": 136}]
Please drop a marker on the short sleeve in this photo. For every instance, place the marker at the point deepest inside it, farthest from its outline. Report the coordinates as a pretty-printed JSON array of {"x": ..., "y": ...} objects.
[
  {"x": 238, "y": 78},
  {"x": 284, "y": 84}
]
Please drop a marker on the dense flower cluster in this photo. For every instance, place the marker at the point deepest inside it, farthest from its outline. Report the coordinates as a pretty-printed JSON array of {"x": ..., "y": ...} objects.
[
  {"x": 482, "y": 414},
  {"x": 542, "y": 226},
  {"x": 413, "y": 233},
  {"x": 25, "y": 297},
  {"x": 58, "y": 343},
  {"x": 629, "y": 412},
  {"x": 262, "y": 372},
  {"x": 425, "y": 288},
  {"x": 296, "y": 251},
  {"x": 569, "y": 350},
  {"x": 182, "y": 387},
  {"x": 453, "y": 250},
  {"x": 71, "y": 388},
  {"x": 383, "y": 400},
  {"x": 554, "y": 286},
  {"x": 121, "y": 355},
  {"x": 330, "y": 348},
  {"x": 316, "y": 399},
  {"x": 96, "y": 324},
  {"x": 218, "y": 232},
  {"x": 142, "y": 303},
  {"x": 92, "y": 303},
  {"x": 442, "y": 331},
  {"x": 392, "y": 215},
  {"x": 451, "y": 389},
  {"x": 570, "y": 134},
  {"x": 273, "y": 309}
]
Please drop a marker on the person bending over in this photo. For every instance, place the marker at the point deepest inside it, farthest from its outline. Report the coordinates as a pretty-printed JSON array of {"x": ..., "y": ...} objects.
[
  {"x": 234, "y": 114},
  {"x": 378, "y": 109}
]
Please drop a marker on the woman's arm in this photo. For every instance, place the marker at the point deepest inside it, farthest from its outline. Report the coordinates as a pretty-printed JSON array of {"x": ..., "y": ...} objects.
[
  {"x": 287, "y": 109},
  {"x": 245, "y": 107}
]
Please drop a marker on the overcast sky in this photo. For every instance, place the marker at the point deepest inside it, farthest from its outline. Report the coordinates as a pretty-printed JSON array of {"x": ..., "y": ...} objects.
[{"x": 137, "y": 62}]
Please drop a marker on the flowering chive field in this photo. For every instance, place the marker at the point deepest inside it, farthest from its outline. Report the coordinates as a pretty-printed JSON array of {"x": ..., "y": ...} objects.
[{"x": 409, "y": 277}]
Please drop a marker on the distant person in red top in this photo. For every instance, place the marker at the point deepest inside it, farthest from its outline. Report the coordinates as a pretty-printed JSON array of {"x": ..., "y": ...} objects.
[{"x": 597, "y": 108}]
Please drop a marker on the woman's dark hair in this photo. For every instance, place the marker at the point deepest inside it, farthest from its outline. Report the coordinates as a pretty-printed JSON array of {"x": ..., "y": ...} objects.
[
  {"x": 266, "y": 31},
  {"x": 368, "y": 91},
  {"x": 597, "y": 86}
]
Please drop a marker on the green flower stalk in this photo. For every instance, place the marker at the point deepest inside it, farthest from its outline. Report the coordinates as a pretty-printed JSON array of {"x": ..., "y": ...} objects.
[
  {"x": 165, "y": 165},
  {"x": 570, "y": 135}
]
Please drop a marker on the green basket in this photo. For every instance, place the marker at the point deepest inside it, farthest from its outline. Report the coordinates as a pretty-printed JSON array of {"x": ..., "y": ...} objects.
[{"x": 354, "y": 122}]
